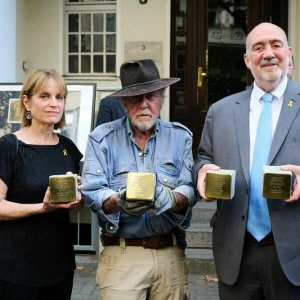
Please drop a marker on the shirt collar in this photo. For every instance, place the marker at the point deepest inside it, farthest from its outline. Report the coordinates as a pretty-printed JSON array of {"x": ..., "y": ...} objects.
[{"x": 278, "y": 92}]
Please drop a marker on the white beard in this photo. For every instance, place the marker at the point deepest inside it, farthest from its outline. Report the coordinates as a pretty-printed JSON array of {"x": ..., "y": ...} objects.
[
  {"x": 271, "y": 76},
  {"x": 277, "y": 75},
  {"x": 143, "y": 125}
]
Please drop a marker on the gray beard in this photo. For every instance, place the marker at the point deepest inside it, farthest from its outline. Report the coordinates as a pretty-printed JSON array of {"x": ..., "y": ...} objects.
[
  {"x": 143, "y": 126},
  {"x": 272, "y": 77},
  {"x": 275, "y": 77}
]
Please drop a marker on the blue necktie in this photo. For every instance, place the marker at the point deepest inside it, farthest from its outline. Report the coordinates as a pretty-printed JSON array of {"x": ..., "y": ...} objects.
[{"x": 258, "y": 223}]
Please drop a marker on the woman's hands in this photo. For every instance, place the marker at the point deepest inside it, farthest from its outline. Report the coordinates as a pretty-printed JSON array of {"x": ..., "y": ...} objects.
[{"x": 74, "y": 206}]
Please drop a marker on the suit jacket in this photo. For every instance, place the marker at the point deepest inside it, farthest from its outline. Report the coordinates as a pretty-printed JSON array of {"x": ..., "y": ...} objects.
[
  {"x": 225, "y": 142},
  {"x": 110, "y": 109}
]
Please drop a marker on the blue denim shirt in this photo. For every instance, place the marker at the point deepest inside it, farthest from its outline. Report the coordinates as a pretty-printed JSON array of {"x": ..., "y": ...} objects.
[{"x": 112, "y": 152}]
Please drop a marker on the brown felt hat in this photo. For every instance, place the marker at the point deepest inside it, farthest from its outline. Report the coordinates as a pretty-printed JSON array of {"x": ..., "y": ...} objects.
[{"x": 140, "y": 77}]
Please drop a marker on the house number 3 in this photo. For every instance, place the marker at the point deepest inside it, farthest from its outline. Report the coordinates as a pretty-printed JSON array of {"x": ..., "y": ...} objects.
[{"x": 143, "y": 47}]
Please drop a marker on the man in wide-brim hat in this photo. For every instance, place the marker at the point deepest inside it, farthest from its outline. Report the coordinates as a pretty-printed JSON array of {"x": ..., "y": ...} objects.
[
  {"x": 140, "y": 77},
  {"x": 144, "y": 240}
]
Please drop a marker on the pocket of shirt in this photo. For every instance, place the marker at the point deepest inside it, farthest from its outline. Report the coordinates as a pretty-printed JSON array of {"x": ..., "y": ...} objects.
[
  {"x": 119, "y": 175},
  {"x": 169, "y": 166},
  {"x": 168, "y": 171},
  {"x": 92, "y": 172}
]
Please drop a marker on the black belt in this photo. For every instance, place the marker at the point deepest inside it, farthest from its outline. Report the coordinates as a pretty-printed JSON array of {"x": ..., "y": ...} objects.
[
  {"x": 267, "y": 240},
  {"x": 153, "y": 242}
]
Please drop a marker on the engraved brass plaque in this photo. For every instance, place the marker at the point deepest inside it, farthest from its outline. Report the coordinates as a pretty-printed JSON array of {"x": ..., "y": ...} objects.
[
  {"x": 220, "y": 184},
  {"x": 276, "y": 183},
  {"x": 63, "y": 188},
  {"x": 140, "y": 186}
]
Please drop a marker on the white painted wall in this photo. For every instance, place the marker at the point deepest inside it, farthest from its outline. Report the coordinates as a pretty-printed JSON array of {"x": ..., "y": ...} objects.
[
  {"x": 31, "y": 32},
  {"x": 8, "y": 41},
  {"x": 21, "y": 37},
  {"x": 43, "y": 29},
  {"x": 148, "y": 22},
  {"x": 42, "y": 24}
]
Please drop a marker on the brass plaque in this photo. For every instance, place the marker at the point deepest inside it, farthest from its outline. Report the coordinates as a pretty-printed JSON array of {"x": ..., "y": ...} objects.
[
  {"x": 276, "y": 183},
  {"x": 140, "y": 186},
  {"x": 220, "y": 184},
  {"x": 63, "y": 188}
]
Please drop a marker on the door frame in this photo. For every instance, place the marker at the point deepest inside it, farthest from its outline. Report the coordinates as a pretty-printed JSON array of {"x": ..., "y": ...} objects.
[{"x": 193, "y": 113}]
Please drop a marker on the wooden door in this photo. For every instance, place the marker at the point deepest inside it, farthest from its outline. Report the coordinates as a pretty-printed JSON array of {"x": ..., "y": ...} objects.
[{"x": 207, "y": 46}]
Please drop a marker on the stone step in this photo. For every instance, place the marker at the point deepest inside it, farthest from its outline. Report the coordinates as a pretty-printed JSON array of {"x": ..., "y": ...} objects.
[
  {"x": 203, "y": 212},
  {"x": 199, "y": 236},
  {"x": 200, "y": 261}
]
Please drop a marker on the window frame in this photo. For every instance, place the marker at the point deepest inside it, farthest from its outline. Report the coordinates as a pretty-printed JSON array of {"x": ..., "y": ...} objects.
[{"x": 80, "y": 8}]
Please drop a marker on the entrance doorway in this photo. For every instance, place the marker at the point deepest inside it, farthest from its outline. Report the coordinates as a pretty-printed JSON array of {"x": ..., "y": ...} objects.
[{"x": 207, "y": 47}]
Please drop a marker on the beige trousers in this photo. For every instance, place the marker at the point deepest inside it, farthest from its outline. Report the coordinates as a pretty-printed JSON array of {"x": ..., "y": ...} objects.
[{"x": 135, "y": 273}]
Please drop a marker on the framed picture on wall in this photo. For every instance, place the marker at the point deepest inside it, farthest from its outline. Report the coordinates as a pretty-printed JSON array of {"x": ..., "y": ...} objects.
[
  {"x": 10, "y": 120},
  {"x": 79, "y": 111}
]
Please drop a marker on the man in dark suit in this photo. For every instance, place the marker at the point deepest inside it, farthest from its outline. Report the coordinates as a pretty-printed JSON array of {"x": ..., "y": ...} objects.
[
  {"x": 110, "y": 109},
  {"x": 256, "y": 258}
]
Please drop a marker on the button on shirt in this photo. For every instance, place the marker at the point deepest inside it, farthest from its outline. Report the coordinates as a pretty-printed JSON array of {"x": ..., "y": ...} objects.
[
  {"x": 256, "y": 107},
  {"x": 115, "y": 152}
]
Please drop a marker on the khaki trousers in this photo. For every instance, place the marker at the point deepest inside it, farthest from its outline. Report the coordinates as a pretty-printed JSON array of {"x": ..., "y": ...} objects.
[{"x": 135, "y": 273}]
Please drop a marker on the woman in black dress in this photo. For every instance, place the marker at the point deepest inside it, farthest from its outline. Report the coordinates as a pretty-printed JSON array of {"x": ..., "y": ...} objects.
[{"x": 36, "y": 253}]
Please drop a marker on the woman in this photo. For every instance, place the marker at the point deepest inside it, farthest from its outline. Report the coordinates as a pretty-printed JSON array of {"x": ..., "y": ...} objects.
[{"x": 36, "y": 252}]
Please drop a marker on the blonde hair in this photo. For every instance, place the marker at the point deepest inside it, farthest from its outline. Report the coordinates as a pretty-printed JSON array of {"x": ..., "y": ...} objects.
[{"x": 37, "y": 82}]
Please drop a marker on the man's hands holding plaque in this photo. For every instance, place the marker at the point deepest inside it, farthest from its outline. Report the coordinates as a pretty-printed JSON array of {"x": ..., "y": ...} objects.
[
  {"x": 135, "y": 207},
  {"x": 164, "y": 199}
]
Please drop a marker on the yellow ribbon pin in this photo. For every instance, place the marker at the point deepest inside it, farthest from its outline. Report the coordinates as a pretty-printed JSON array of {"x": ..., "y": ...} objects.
[
  {"x": 65, "y": 152},
  {"x": 290, "y": 104}
]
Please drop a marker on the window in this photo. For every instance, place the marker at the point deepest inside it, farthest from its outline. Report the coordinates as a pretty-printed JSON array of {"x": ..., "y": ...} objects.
[{"x": 90, "y": 37}]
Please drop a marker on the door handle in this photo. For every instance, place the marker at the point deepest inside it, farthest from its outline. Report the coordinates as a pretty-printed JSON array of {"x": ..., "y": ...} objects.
[{"x": 200, "y": 76}]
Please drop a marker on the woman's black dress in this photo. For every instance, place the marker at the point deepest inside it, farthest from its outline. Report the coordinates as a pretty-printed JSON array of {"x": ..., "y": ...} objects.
[{"x": 37, "y": 250}]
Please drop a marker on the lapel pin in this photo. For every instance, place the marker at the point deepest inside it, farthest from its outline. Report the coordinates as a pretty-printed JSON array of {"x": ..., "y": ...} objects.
[
  {"x": 290, "y": 104},
  {"x": 65, "y": 152}
]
